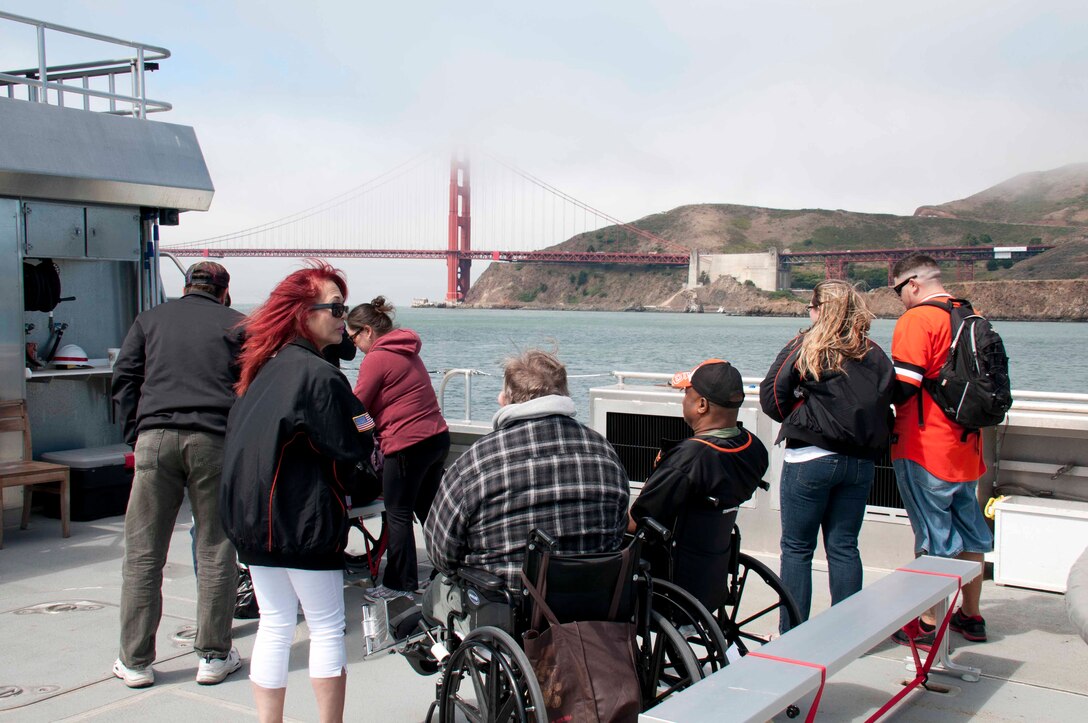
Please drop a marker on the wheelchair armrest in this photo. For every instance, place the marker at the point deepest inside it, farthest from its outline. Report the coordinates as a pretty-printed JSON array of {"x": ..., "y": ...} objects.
[
  {"x": 658, "y": 530},
  {"x": 481, "y": 578}
]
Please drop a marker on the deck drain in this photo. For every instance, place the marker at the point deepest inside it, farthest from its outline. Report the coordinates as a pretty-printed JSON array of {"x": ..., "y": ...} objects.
[
  {"x": 55, "y": 608},
  {"x": 185, "y": 636},
  {"x": 10, "y": 691}
]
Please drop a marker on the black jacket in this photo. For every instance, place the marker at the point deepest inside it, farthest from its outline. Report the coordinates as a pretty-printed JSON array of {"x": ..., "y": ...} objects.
[
  {"x": 176, "y": 368},
  {"x": 695, "y": 490},
  {"x": 293, "y": 440},
  {"x": 846, "y": 412}
]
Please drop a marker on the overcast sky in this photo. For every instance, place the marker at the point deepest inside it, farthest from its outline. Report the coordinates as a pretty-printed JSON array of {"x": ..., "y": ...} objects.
[{"x": 635, "y": 107}]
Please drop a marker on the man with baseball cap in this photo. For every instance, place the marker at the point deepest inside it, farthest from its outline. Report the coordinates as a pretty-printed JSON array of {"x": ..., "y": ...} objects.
[
  {"x": 698, "y": 483},
  {"x": 173, "y": 385},
  {"x": 209, "y": 277}
]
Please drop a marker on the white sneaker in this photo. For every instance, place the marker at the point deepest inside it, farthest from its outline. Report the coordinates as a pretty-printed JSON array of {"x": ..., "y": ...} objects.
[
  {"x": 215, "y": 670},
  {"x": 381, "y": 592},
  {"x": 134, "y": 677}
]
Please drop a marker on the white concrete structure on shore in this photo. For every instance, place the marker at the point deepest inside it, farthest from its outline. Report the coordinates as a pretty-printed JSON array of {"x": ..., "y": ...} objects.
[{"x": 760, "y": 268}]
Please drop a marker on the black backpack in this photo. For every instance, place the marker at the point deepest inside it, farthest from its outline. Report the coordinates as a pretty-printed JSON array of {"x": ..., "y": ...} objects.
[{"x": 972, "y": 388}]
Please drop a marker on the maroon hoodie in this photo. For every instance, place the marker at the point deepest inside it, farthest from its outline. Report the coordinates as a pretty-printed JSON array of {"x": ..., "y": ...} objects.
[{"x": 395, "y": 388}]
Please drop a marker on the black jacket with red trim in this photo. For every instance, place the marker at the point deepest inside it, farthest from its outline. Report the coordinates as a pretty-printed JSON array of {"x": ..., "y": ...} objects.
[
  {"x": 846, "y": 412},
  {"x": 694, "y": 491},
  {"x": 293, "y": 440}
]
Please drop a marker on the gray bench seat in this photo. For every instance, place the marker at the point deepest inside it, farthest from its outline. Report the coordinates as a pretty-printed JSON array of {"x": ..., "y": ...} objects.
[
  {"x": 371, "y": 509},
  {"x": 756, "y": 688}
]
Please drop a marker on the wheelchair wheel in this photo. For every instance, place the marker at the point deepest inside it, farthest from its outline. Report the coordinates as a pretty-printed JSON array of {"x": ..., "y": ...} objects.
[
  {"x": 668, "y": 663},
  {"x": 755, "y": 601},
  {"x": 488, "y": 679},
  {"x": 694, "y": 623}
]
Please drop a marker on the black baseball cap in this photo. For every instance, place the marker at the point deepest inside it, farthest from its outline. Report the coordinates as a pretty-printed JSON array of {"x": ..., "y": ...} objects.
[{"x": 715, "y": 380}]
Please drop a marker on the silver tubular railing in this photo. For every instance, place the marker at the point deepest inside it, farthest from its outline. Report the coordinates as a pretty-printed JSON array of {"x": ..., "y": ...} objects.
[
  {"x": 40, "y": 80},
  {"x": 467, "y": 374}
]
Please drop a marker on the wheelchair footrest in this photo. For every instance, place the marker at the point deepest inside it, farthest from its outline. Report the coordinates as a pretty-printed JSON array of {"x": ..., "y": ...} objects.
[{"x": 420, "y": 658}]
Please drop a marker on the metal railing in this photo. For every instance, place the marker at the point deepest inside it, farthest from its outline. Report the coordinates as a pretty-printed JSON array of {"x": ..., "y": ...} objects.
[
  {"x": 467, "y": 374},
  {"x": 39, "y": 80}
]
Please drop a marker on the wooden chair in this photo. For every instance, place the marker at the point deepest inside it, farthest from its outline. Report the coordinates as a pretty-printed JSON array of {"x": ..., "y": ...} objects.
[{"x": 32, "y": 476}]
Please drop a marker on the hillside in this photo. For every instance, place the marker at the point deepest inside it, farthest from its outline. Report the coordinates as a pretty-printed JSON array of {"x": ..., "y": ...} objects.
[
  {"x": 616, "y": 290},
  {"x": 725, "y": 228},
  {"x": 1058, "y": 197},
  {"x": 1048, "y": 208}
]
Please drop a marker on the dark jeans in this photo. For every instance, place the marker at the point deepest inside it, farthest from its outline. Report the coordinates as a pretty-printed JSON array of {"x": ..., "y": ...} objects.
[
  {"x": 828, "y": 494},
  {"x": 169, "y": 461},
  {"x": 409, "y": 483}
]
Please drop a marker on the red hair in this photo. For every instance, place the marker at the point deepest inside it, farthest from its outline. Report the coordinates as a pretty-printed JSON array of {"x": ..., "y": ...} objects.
[{"x": 283, "y": 317}]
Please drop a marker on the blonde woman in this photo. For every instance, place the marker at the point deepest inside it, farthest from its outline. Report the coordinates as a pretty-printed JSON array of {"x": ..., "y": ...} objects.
[{"x": 831, "y": 388}]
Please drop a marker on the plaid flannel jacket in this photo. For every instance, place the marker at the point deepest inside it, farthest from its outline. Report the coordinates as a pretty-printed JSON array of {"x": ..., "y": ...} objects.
[{"x": 551, "y": 473}]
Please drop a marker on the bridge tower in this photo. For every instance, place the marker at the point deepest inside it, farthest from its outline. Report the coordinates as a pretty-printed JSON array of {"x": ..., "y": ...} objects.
[{"x": 458, "y": 264}]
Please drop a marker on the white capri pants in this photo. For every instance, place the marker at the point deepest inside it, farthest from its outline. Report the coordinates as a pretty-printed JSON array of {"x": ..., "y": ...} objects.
[{"x": 279, "y": 591}]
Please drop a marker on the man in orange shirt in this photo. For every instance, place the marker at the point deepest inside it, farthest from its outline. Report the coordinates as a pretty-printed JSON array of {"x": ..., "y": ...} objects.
[{"x": 937, "y": 462}]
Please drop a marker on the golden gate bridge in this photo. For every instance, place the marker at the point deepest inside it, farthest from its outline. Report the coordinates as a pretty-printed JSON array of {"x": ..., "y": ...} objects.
[
  {"x": 493, "y": 212},
  {"x": 435, "y": 207}
]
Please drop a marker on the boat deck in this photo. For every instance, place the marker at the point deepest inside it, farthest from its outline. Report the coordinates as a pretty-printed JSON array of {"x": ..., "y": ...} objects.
[{"x": 59, "y": 627}]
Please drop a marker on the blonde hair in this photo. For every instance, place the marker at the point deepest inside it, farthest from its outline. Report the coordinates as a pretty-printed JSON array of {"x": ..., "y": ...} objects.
[
  {"x": 531, "y": 374},
  {"x": 840, "y": 331}
]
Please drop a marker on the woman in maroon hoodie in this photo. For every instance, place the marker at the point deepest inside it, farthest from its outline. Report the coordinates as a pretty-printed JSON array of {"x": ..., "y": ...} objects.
[{"x": 396, "y": 389}]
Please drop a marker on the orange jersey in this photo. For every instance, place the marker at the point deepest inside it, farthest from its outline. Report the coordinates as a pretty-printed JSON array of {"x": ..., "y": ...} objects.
[{"x": 919, "y": 350}]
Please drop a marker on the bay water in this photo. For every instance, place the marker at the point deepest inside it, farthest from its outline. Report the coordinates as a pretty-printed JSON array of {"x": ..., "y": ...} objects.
[{"x": 1044, "y": 356}]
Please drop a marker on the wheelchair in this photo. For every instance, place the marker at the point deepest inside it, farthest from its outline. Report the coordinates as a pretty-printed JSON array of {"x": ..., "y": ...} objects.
[
  {"x": 702, "y": 559},
  {"x": 485, "y": 674}
]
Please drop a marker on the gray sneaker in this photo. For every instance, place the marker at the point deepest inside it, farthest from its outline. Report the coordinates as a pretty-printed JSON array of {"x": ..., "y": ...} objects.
[
  {"x": 134, "y": 677},
  {"x": 381, "y": 592},
  {"x": 215, "y": 670}
]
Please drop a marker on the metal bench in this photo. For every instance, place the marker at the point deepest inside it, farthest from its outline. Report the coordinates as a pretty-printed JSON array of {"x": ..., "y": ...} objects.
[
  {"x": 769, "y": 680},
  {"x": 374, "y": 544}
]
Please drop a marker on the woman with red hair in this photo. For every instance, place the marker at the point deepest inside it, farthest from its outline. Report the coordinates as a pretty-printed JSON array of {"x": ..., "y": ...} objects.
[{"x": 293, "y": 439}]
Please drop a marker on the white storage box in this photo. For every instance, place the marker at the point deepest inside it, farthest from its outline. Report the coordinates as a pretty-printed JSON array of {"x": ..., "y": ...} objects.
[
  {"x": 1037, "y": 541},
  {"x": 100, "y": 482}
]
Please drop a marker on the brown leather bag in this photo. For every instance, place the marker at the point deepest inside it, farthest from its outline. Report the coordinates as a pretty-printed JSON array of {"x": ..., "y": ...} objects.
[{"x": 586, "y": 670}]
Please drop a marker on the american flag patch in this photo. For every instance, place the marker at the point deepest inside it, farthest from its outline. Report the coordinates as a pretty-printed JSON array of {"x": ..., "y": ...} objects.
[{"x": 363, "y": 422}]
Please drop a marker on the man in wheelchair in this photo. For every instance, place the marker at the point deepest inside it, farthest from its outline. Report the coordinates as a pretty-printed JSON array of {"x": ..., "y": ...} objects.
[
  {"x": 698, "y": 483},
  {"x": 538, "y": 469}
]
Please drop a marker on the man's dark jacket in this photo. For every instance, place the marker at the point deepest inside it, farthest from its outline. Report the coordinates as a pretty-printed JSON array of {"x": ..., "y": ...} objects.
[
  {"x": 293, "y": 440},
  {"x": 177, "y": 367},
  {"x": 695, "y": 490}
]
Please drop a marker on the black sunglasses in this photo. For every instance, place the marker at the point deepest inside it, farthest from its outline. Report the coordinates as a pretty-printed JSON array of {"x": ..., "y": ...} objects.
[
  {"x": 335, "y": 308},
  {"x": 812, "y": 307},
  {"x": 898, "y": 288}
]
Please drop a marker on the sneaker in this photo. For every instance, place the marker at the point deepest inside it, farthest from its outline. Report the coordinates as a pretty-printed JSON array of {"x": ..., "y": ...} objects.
[
  {"x": 381, "y": 592},
  {"x": 134, "y": 677},
  {"x": 972, "y": 628},
  {"x": 215, "y": 670},
  {"x": 921, "y": 632}
]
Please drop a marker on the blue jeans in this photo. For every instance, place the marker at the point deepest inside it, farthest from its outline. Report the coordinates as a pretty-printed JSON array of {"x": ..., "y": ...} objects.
[{"x": 829, "y": 494}]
